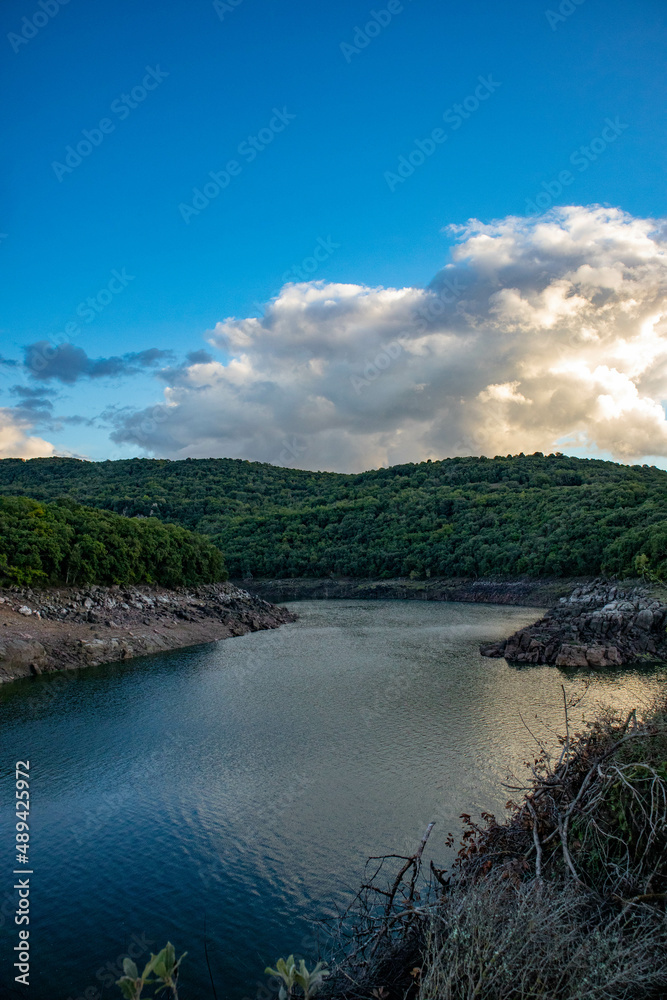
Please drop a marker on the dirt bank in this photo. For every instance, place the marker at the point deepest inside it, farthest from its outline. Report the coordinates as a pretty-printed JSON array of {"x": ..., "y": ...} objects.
[{"x": 67, "y": 628}]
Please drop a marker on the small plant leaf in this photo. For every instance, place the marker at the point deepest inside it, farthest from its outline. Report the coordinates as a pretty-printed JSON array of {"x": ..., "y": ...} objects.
[
  {"x": 130, "y": 969},
  {"x": 129, "y": 987}
]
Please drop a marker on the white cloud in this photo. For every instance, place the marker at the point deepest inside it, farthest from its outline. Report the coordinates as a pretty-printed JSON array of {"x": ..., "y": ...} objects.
[
  {"x": 16, "y": 440},
  {"x": 538, "y": 330}
]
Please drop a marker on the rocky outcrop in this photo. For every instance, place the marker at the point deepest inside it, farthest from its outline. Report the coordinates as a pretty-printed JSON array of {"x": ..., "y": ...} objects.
[
  {"x": 601, "y": 624},
  {"x": 56, "y": 629},
  {"x": 24, "y": 656}
]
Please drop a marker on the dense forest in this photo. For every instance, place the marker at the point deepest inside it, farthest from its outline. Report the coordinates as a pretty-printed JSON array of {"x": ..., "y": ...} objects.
[
  {"x": 528, "y": 514},
  {"x": 63, "y": 542}
]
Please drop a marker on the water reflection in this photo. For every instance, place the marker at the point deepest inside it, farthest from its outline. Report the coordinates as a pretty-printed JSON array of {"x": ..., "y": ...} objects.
[{"x": 250, "y": 779}]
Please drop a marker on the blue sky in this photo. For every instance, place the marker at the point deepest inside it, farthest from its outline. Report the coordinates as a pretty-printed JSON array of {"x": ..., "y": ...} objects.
[{"x": 220, "y": 74}]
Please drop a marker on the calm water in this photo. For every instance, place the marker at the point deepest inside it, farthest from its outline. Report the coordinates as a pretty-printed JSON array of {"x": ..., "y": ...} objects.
[{"x": 245, "y": 783}]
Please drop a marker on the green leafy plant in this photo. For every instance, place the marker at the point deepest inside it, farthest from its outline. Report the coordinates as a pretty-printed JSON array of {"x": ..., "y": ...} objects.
[
  {"x": 162, "y": 966},
  {"x": 297, "y": 975}
]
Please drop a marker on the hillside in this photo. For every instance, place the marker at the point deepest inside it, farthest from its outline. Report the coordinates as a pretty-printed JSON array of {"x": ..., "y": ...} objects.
[
  {"x": 529, "y": 514},
  {"x": 63, "y": 542}
]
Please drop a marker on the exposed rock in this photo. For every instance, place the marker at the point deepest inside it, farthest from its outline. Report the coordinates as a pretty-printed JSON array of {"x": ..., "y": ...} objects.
[
  {"x": 597, "y": 625},
  {"x": 20, "y": 657},
  {"x": 645, "y": 620},
  {"x": 59, "y": 623}
]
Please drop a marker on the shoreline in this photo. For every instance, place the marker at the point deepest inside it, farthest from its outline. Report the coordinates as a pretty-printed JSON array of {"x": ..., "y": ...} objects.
[
  {"x": 66, "y": 628},
  {"x": 591, "y": 622},
  {"x": 601, "y": 624},
  {"x": 560, "y": 896},
  {"x": 522, "y": 591}
]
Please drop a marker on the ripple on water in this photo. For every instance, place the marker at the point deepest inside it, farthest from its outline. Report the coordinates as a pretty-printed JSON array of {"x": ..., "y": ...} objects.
[{"x": 249, "y": 780}]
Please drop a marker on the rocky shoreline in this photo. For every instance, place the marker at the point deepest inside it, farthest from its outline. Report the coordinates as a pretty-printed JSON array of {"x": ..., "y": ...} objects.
[
  {"x": 67, "y": 628},
  {"x": 592, "y": 623},
  {"x": 600, "y": 624}
]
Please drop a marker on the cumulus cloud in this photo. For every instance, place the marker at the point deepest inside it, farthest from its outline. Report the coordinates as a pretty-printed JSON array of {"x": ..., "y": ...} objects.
[
  {"x": 67, "y": 363},
  {"x": 16, "y": 441},
  {"x": 537, "y": 331}
]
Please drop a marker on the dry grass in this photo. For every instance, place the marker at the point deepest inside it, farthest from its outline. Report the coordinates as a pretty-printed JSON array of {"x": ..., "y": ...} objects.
[
  {"x": 564, "y": 899},
  {"x": 538, "y": 941}
]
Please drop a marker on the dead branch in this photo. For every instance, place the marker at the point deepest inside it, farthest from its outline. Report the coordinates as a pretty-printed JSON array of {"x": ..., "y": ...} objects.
[{"x": 536, "y": 840}]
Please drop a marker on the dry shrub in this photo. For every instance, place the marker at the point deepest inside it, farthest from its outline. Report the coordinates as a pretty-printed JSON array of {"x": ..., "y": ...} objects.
[
  {"x": 565, "y": 899},
  {"x": 496, "y": 940}
]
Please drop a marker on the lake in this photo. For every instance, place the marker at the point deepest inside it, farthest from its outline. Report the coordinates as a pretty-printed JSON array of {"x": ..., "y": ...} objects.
[{"x": 241, "y": 785}]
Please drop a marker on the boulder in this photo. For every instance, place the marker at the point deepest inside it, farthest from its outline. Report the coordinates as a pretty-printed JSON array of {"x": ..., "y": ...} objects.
[
  {"x": 572, "y": 656},
  {"x": 644, "y": 620},
  {"x": 603, "y": 656},
  {"x": 20, "y": 657}
]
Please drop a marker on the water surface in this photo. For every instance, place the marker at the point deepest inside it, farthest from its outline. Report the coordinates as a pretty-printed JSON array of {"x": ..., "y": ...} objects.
[{"x": 245, "y": 782}]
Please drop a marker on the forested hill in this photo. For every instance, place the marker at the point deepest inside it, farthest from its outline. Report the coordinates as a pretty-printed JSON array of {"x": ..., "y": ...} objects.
[
  {"x": 63, "y": 542},
  {"x": 528, "y": 514}
]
